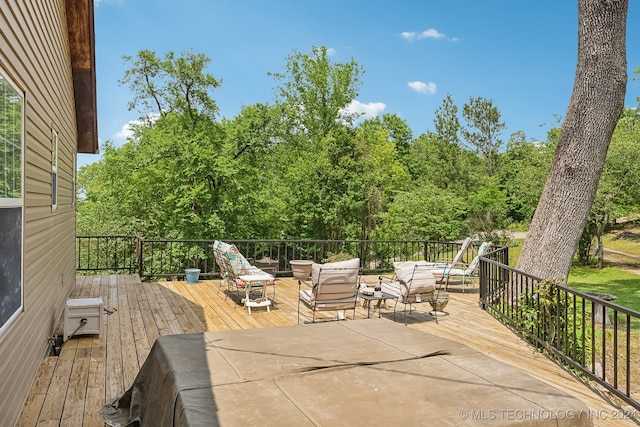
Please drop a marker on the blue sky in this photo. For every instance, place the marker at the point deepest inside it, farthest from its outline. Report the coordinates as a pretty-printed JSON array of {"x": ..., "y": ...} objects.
[{"x": 522, "y": 55}]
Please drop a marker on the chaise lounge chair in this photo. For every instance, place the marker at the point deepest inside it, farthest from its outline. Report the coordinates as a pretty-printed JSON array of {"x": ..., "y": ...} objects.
[
  {"x": 461, "y": 271},
  {"x": 451, "y": 262},
  {"x": 232, "y": 265}
]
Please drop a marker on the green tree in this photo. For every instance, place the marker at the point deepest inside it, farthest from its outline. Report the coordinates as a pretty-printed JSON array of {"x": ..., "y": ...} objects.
[
  {"x": 618, "y": 192},
  {"x": 439, "y": 158},
  {"x": 487, "y": 210},
  {"x": 424, "y": 212},
  {"x": 317, "y": 92},
  {"x": 163, "y": 182},
  {"x": 172, "y": 84},
  {"x": 380, "y": 170},
  {"x": 483, "y": 128},
  {"x": 522, "y": 170},
  {"x": 318, "y": 146},
  {"x": 399, "y": 132}
]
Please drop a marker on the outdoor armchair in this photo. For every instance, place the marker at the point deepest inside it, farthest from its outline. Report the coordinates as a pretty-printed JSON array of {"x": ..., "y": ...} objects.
[
  {"x": 333, "y": 287},
  {"x": 413, "y": 282}
]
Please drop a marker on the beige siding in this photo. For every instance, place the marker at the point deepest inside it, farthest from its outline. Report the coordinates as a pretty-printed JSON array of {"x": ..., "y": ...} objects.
[{"x": 34, "y": 54}]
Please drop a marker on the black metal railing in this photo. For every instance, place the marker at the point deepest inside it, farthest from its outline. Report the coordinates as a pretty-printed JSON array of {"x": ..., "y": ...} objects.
[
  {"x": 165, "y": 258},
  {"x": 106, "y": 254},
  {"x": 593, "y": 337}
]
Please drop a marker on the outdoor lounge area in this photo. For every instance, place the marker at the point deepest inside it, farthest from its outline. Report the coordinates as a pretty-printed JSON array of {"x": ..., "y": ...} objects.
[{"x": 90, "y": 371}]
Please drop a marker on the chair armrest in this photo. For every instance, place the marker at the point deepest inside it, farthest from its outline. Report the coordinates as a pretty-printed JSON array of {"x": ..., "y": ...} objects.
[
  {"x": 461, "y": 265},
  {"x": 302, "y": 282},
  {"x": 387, "y": 279}
]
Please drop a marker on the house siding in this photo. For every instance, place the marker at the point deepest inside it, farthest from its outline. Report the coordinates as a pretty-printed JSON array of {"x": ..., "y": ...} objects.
[{"x": 34, "y": 55}]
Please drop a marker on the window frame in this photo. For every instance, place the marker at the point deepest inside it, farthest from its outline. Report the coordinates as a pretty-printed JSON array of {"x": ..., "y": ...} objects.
[{"x": 13, "y": 202}]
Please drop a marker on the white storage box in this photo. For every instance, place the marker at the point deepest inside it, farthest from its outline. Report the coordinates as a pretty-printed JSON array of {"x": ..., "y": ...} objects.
[{"x": 83, "y": 308}]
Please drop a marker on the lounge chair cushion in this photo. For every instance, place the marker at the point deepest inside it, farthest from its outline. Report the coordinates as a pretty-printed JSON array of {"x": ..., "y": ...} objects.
[{"x": 237, "y": 262}]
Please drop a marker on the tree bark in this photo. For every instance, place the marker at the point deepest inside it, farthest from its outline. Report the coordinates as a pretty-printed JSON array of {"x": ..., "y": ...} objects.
[{"x": 594, "y": 109}]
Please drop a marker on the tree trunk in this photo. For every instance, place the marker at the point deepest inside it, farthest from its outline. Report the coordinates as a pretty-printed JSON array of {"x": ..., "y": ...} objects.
[{"x": 594, "y": 109}]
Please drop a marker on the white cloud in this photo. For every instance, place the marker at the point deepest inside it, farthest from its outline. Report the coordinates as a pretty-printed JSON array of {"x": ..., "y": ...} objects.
[
  {"x": 408, "y": 35},
  {"x": 430, "y": 33},
  {"x": 371, "y": 109},
  {"x": 331, "y": 51},
  {"x": 127, "y": 131},
  {"x": 421, "y": 87}
]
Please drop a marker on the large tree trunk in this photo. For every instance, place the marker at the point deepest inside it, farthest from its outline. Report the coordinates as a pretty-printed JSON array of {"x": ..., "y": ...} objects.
[{"x": 595, "y": 106}]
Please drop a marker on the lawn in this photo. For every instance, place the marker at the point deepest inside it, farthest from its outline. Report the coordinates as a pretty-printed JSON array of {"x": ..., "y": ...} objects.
[
  {"x": 611, "y": 279},
  {"x": 627, "y": 240}
]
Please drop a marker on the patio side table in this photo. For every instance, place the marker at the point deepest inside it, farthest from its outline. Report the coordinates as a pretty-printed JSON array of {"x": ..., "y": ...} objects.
[
  {"x": 380, "y": 298},
  {"x": 260, "y": 280}
]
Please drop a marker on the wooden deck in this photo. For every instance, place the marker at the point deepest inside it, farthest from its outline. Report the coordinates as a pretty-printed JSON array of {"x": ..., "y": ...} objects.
[{"x": 70, "y": 389}]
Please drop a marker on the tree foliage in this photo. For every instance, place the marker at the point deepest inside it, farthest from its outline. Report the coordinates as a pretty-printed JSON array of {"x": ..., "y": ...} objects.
[
  {"x": 483, "y": 129},
  {"x": 304, "y": 167}
]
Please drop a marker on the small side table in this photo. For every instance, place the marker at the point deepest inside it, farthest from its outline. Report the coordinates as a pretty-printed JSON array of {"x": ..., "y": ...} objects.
[
  {"x": 369, "y": 298},
  {"x": 263, "y": 280}
]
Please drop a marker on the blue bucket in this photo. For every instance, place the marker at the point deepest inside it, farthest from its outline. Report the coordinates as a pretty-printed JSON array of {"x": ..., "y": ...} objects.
[{"x": 192, "y": 275}]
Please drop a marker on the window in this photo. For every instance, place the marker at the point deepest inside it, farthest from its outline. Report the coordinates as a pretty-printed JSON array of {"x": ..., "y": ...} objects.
[
  {"x": 54, "y": 169},
  {"x": 11, "y": 202}
]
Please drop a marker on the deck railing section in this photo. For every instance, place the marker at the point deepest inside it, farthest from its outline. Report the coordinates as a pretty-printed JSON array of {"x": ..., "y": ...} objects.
[
  {"x": 165, "y": 258},
  {"x": 595, "y": 338},
  {"x": 106, "y": 254}
]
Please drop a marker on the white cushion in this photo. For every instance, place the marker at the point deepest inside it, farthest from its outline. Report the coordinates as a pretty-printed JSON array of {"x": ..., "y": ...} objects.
[
  {"x": 417, "y": 275},
  {"x": 340, "y": 271}
]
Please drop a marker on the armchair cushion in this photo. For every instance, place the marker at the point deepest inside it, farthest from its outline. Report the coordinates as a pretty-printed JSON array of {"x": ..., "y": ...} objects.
[
  {"x": 339, "y": 271},
  {"x": 419, "y": 279}
]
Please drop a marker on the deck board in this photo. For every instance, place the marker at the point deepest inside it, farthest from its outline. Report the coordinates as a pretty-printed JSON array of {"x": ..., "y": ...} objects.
[
  {"x": 35, "y": 401},
  {"x": 91, "y": 370}
]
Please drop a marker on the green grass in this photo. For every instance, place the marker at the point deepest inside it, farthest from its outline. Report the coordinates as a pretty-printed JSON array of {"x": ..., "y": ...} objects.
[
  {"x": 628, "y": 246},
  {"x": 518, "y": 226},
  {"x": 514, "y": 251},
  {"x": 611, "y": 280}
]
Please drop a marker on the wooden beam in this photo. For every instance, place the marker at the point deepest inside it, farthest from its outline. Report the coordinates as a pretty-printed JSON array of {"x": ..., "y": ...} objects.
[{"x": 83, "y": 64}]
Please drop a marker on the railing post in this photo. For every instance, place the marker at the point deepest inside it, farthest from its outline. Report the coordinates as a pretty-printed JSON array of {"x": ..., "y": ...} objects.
[
  {"x": 482, "y": 282},
  {"x": 139, "y": 255}
]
